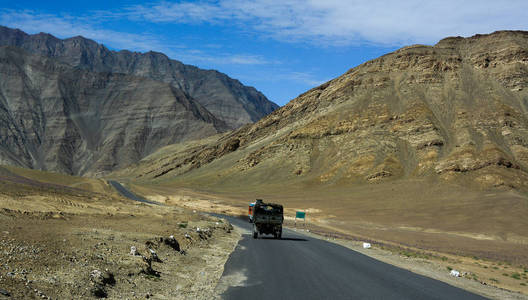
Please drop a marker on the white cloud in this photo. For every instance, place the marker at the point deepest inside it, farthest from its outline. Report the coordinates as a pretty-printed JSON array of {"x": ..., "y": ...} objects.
[
  {"x": 339, "y": 22},
  {"x": 197, "y": 56},
  {"x": 306, "y": 78}
]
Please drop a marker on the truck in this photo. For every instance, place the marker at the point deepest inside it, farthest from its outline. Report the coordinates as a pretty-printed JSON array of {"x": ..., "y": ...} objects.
[{"x": 267, "y": 219}]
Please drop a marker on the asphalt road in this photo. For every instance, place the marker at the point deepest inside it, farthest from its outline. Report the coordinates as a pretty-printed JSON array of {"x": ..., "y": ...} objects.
[
  {"x": 300, "y": 267},
  {"x": 128, "y": 194}
]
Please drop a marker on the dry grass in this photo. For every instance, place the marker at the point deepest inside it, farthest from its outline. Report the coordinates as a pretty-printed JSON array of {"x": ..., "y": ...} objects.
[{"x": 54, "y": 236}]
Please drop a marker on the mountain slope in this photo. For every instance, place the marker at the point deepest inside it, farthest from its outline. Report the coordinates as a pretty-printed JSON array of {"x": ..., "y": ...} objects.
[
  {"x": 453, "y": 111},
  {"x": 224, "y": 97},
  {"x": 425, "y": 147},
  {"x": 60, "y": 118}
]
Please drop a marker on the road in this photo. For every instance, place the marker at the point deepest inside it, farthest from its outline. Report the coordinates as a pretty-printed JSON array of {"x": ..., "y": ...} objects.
[
  {"x": 128, "y": 194},
  {"x": 301, "y": 267}
]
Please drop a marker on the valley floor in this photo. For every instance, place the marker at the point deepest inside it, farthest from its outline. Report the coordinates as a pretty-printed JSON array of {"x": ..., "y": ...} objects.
[
  {"x": 71, "y": 237},
  {"x": 478, "y": 243},
  {"x": 58, "y": 242}
]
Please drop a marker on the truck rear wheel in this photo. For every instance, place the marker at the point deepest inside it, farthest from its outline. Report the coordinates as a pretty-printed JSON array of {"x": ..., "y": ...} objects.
[
  {"x": 255, "y": 232},
  {"x": 280, "y": 233}
]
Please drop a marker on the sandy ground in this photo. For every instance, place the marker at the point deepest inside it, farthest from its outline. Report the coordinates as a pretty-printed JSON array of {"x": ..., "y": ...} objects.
[{"x": 61, "y": 243}]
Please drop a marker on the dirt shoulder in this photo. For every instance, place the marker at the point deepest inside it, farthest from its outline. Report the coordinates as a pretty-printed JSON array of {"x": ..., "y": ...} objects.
[{"x": 60, "y": 243}]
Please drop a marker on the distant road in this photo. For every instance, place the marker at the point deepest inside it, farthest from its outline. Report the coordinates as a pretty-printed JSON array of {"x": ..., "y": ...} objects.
[
  {"x": 300, "y": 267},
  {"x": 128, "y": 194}
]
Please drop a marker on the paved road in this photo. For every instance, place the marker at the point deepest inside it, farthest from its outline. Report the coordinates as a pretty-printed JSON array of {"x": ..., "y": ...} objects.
[
  {"x": 128, "y": 194},
  {"x": 300, "y": 267}
]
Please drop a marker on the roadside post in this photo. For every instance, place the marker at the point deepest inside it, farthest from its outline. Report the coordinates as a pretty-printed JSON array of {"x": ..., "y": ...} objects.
[{"x": 300, "y": 215}]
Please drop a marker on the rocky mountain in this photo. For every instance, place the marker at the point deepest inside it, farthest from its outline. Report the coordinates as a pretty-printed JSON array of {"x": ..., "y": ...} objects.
[
  {"x": 57, "y": 117},
  {"x": 224, "y": 97},
  {"x": 455, "y": 112}
]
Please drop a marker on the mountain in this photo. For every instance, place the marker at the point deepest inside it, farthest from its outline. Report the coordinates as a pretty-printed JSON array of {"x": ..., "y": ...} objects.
[
  {"x": 57, "y": 117},
  {"x": 425, "y": 147},
  {"x": 455, "y": 112},
  {"x": 224, "y": 97}
]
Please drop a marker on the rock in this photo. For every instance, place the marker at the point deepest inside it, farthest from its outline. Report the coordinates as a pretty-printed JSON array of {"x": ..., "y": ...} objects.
[
  {"x": 100, "y": 280},
  {"x": 148, "y": 270},
  {"x": 154, "y": 256},
  {"x": 108, "y": 278},
  {"x": 204, "y": 233},
  {"x": 99, "y": 291},
  {"x": 4, "y": 293},
  {"x": 172, "y": 242},
  {"x": 95, "y": 275}
]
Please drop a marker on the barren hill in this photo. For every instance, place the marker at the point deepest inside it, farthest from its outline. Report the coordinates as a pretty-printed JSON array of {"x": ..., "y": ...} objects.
[
  {"x": 226, "y": 98},
  {"x": 425, "y": 147},
  {"x": 56, "y": 117},
  {"x": 453, "y": 111}
]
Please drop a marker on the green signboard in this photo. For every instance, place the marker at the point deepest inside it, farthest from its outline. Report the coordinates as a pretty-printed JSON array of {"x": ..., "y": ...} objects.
[{"x": 300, "y": 215}]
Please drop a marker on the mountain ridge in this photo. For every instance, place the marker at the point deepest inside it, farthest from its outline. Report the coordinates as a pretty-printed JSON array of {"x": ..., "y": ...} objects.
[
  {"x": 225, "y": 97},
  {"x": 57, "y": 117},
  {"x": 451, "y": 111}
]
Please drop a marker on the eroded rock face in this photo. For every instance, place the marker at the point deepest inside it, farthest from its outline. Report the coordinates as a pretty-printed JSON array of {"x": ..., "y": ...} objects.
[
  {"x": 458, "y": 108},
  {"x": 60, "y": 118},
  {"x": 226, "y": 98}
]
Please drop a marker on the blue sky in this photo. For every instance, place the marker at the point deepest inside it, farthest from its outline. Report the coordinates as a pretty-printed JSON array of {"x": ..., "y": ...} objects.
[{"x": 281, "y": 47}]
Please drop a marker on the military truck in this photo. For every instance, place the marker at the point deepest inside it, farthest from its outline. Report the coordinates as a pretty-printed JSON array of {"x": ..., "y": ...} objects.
[{"x": 267, "y": 219}]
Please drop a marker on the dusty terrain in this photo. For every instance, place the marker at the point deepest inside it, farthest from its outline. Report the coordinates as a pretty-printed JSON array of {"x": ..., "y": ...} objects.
[
  {"x": 430, "y": 242},
  {"x": 64, "y": 242}
]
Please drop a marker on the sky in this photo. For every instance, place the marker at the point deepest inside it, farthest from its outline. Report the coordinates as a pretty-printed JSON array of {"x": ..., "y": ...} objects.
[{"x": 281, "y": 47}]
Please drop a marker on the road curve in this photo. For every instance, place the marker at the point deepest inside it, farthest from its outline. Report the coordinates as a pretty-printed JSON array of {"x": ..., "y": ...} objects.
[
  {"x": 128, "y": 194},
  {"x": 301, "y": 267}
]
